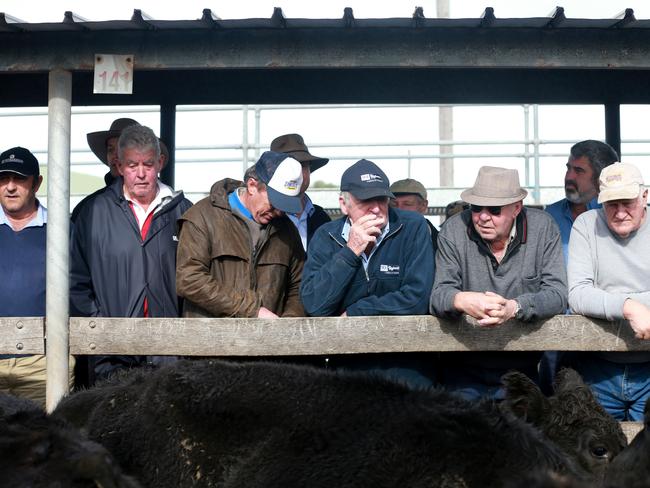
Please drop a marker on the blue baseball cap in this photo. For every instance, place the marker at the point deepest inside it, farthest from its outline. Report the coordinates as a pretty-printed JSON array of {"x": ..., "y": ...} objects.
[
  {"x": 282, "y": 175},
  {"x": 364, "y": 180},
  {"x": 20, "y": 161}
]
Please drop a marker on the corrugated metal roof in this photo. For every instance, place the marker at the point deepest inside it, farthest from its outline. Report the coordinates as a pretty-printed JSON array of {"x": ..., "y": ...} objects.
[{"x": 140, "y": 21}]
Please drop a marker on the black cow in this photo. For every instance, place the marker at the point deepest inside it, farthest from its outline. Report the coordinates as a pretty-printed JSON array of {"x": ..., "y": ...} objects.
[
  {"x": 572, "y": 418},
  {"x": 37, "y": 452},
  {"x": 250, "y": 425},
  {"x": 631, "y": 468}
]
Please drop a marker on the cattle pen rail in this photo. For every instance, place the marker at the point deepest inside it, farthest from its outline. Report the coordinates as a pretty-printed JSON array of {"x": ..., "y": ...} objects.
[{"x": 320, "y": 336}]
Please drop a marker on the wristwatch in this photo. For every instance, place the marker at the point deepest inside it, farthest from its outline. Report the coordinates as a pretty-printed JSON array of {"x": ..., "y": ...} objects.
[{"x": 517, "y": 310}]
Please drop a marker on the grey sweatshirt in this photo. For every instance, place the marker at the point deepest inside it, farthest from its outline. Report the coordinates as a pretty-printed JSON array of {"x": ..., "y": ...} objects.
[
  {"x": 532, "y": 272},
  {"x": 605, "y": 270}
]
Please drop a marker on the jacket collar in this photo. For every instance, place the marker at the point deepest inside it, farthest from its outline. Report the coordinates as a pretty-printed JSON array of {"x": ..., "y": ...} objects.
[
  {"x": 522, "y": 231},
  {"x": 117, "y": 190}
]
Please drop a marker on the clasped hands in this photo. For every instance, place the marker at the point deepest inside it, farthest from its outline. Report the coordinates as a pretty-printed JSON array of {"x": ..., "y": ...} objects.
[{"x": 490, "y": 309}]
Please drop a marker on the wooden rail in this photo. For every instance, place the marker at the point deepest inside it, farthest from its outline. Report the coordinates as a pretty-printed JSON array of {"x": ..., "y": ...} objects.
[
  {"x": 22, "y": 335},
  {"x": 320, "y": 335},
  {"x": 336, "y": 335}
]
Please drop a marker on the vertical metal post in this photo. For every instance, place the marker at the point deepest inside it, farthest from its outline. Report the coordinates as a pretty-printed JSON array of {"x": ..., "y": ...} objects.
[
  {"x": 446, "y": 132},
  {"x": 244, "y": 143},
  {"x": 58, "y": 225},
  {"x": 258, "y": 115},
  {"x": 613, "y": 126},
  {"x": 445, "y": 120},
  {"x": 527, "y": 145},
  {"x": 409, "y": 161},
  {"x": 168, "y": 134},
  {"x": 536, "y": 191}
]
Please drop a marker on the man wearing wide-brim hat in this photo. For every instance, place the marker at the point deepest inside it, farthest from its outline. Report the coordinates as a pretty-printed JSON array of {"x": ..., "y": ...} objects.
[
  {"x": 103, "y": 144},
  {"x": 311, "y": 217},
  {"x": 497, "y": 261}
]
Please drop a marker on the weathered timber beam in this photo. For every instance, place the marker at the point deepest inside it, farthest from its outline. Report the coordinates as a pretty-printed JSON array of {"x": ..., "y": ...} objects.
[
  {"x": 335, "y": 335},
  {"x": 22, "y": 335},
  {"x": 631, "y": 429},
  {"x": 276, "y": 48}
]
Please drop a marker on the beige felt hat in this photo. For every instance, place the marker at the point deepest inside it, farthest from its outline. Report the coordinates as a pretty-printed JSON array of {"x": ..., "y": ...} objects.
[{"x": 495, "y": 187}]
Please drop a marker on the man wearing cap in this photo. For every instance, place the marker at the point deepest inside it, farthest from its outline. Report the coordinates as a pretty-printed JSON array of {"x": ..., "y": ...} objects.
[
  {"x": 376, "y": 261},
  {"x": 23, "y": 222},
  {"x": 238, "y": 254},
  {"x": 123, "y": 257},
  {"x": 609, "y": 266},
  {"x": 496, "y": 261},
  {"x": 586, "y": 160},
  {"x": 311, "y": 216},
  {"x": 103, "y": 144},
  {"x": 411, "y": 195}
]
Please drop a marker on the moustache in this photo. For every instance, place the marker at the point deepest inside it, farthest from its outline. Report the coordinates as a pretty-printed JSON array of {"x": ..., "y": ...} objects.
[{"x": 572, "y": 183}]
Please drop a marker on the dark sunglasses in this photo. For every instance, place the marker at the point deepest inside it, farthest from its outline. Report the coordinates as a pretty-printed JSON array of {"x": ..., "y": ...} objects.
[{"x": 492, "y": 210}]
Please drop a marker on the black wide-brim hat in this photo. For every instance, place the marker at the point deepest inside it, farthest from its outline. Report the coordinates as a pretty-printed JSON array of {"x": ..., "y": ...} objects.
[
  {"x": 97, "y": 140},
  {"x": 294, "y": 145}
]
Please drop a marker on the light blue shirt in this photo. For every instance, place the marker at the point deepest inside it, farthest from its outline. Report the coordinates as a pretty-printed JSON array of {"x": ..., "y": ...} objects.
[
  {"x": 301, "y": 222},
  {"x": 561, "y": 213},
  {"x": 39, "y": 220},
  {"x": 365, "y": 259}
]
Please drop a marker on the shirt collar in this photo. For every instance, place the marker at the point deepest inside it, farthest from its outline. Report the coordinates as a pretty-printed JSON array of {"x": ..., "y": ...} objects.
[{"x": 236, "y": 204}]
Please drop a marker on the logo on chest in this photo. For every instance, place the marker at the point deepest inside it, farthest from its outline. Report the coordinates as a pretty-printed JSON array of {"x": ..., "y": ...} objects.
[{"x": 389, "y": 269}]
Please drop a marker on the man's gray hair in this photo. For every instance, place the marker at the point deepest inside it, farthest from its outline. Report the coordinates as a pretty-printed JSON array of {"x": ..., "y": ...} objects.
[
  {"x": 346, "y": 197},
  {"x": 139, "y": 137},
  {"x": 251, "y": 173}
]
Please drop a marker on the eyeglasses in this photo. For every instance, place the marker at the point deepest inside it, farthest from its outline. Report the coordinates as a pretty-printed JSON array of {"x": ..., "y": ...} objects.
[{"x": 493, "y": 210}]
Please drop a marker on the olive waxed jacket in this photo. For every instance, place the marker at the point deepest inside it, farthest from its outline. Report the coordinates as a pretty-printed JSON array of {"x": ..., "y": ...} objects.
[{"x": 220, "y": 275}]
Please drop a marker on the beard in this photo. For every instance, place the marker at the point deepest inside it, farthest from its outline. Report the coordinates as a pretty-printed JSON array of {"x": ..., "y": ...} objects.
[{"x": 575, "y": 196}]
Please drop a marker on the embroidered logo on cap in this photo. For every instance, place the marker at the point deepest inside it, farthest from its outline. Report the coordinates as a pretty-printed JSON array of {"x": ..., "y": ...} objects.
[
  {"x": 370, "y": 178},
  {"x": 611, "y": 178},
  {"x": 12, "y": 159},
  {"x": 291, "y": 184}
]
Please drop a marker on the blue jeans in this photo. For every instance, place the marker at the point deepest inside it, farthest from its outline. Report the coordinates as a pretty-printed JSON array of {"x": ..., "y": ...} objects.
[
  {"x": 474, "y": 382},
  {"x": 415, "y": 370},
  {"x": 621, "y": 388}
]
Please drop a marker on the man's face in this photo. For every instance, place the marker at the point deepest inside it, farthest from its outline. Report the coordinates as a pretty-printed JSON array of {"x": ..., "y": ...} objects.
[
  {"x": 306, "y": 174},
  {"x": 258, "y": 203},
  {"x": 18, "y": 193},
  {"x": 355, "y": 208},
  {"x": 140, "y": 172},
  {"x": 625, "y": 216},
  {"x": 579, "y": 185},
  {"x": 495, "y": 227},
  {"x": 412, "y": 202},
  {"x": 111, "y": 155}
]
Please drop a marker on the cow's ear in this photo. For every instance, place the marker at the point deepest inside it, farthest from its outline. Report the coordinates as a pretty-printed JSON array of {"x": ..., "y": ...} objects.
[
  {"x": 567, "y": 379},
  {"x": 523, "y": 397}
]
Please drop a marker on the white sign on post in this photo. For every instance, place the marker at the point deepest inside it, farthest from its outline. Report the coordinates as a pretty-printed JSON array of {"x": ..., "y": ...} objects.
[{"x": 113, "y": 73}]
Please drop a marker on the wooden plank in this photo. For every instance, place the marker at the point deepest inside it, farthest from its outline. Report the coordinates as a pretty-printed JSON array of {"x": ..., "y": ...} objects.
[
  {"x": 22, "y": 335},
  {"x": 631, "y": 429},
  {"x": 336, "y": 335}
]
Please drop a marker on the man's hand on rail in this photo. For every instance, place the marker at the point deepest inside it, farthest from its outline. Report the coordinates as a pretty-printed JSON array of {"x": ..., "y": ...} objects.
[
  {"x": 490, "y": 309},
  {"x": 639, "y": 317},
  {"x": 265, "y": 313}
]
